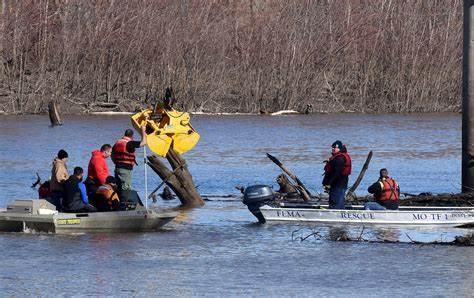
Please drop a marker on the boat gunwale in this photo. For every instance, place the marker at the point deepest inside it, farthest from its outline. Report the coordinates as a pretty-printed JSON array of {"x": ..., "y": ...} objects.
[
  {"x": 407, "y": 209},
  {"x": 327, "y": 216}
]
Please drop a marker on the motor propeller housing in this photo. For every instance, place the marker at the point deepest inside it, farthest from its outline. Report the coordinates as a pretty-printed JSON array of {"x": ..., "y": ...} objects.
[{"x": 256, "y": 196}]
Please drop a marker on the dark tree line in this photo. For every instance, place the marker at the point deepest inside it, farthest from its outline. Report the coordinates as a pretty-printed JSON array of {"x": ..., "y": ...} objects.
[{"x": 232, "y": 56}]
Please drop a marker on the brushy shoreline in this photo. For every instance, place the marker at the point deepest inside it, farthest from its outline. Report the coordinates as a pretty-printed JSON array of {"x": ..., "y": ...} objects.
[
  {"x": 337, "y": 56},
  {"x": 112, "y": 113}
]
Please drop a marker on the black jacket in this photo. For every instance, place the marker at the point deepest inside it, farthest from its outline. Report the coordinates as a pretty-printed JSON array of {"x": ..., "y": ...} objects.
[
  {"x": 72, "y": 195},
  {"x": 376, "y": 190},
  {"x": 335, "y": 177}
]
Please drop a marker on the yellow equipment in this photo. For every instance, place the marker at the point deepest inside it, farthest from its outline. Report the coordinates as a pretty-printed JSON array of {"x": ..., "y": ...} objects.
[{"x": 165, "y": 129}]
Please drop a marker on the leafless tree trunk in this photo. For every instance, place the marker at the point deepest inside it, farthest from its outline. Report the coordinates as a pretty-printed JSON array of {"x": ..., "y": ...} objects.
[{"x": 181, "y": 181}]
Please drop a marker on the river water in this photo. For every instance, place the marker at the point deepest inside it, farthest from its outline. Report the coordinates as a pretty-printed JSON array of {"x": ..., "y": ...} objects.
[{"x": 219, "y": 250}]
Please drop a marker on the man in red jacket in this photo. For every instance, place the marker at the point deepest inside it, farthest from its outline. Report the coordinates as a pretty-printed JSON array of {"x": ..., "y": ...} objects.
[{"x": 98, "y": 171}]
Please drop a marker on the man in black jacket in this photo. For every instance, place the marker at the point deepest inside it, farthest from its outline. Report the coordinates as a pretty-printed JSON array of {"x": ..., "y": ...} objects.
[
  {"x": 336, "y": 175},
  {"x": 386, "y": 193},
  {"x": 75, "y": 195}
]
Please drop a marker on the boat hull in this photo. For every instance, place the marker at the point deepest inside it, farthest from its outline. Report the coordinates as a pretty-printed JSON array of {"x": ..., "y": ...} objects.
[
  {"x": 66, "y": 223},
  {"x": 404, "y": 216}
]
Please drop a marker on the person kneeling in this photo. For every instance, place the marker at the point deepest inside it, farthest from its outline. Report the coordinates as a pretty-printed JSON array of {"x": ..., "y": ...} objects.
[
  {"x": 106, "y": 195},
  {"x": 386, "y": 193},
  {"x": 75, "y": 197}
]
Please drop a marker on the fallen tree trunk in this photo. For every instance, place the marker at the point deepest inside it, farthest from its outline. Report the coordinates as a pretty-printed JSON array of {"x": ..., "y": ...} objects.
[
  {"x": 351, "y": 193},
  {"x": 181, "y": 181},
  {"x": 53, "y": 112}
]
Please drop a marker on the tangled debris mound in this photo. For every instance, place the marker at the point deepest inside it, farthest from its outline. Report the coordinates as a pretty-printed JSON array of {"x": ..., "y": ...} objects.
[{"x": 428, "y": 199}]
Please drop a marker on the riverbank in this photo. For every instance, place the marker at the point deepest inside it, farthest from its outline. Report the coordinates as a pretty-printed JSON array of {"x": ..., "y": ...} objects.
[{"x": 198, "y": 113}]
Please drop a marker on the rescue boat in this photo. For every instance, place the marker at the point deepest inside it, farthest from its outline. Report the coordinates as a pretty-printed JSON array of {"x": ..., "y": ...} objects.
[
  {"x": 41, "y": 216},
  {"x": 264, "y": 205}
]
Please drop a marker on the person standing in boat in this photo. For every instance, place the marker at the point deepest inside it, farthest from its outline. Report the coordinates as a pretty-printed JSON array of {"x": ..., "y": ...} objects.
[
  {"x": 386, "y": 192},
  {"x": 123, "y": 156},
  {"x": 336, "y": 175},
  {"x": 59, "y": 175},
  {"x": 98, "y": 171},
  {"x": 75, "y": 196}
]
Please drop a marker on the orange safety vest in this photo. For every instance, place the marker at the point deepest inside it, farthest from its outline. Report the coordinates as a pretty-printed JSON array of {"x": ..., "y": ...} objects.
[
  {"x": 389, "y": 190},
  {"x": 120, "y": 153},
  {"x": 347, "y": 165},
  {"x": 111, "y": 196}
]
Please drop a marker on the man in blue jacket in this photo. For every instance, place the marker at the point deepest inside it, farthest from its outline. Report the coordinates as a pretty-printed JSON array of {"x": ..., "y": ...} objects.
[{"x": 75, "y": 194}]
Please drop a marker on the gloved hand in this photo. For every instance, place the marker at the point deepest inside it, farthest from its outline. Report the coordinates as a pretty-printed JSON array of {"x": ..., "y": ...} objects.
[{"x": 327, "y": 188}]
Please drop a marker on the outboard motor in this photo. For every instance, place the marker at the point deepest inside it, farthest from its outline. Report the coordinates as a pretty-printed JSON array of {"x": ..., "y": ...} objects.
[{"x": 256, "y": 196}]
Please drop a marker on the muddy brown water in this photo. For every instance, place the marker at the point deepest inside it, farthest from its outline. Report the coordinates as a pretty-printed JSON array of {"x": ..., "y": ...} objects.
[{"x": 219, "y": 249}]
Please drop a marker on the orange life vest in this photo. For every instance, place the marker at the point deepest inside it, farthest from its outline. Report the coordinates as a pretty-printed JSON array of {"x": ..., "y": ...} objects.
[
  {"x": 389, "y": 190},
  {"x": 120, "y": 153},
  {"x": 347, "y": 165},
  {"x": 109, "y": 194}
]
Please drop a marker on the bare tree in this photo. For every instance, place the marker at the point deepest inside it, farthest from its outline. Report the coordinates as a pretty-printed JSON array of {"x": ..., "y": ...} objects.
[{"x": 242, "y": 55}]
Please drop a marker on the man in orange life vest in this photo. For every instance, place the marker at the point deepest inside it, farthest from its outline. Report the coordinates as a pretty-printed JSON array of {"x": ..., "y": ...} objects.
[
  {"x": 123, "y": 156},
  {"x": 336, "y": 175},
  {"x": 386, "y": 193}
]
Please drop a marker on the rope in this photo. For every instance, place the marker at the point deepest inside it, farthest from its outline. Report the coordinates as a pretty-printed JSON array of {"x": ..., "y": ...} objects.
[{"x": 146, "y": 178}]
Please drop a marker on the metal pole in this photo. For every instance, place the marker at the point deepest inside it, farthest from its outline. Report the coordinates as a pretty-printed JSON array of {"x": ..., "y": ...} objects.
[
  {"x": 468, "y": 97},
  {"x": 146, "y": 178}
]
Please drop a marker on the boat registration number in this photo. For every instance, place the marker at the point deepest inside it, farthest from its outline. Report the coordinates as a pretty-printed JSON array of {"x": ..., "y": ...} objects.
[{"x": 69, "y": 221}]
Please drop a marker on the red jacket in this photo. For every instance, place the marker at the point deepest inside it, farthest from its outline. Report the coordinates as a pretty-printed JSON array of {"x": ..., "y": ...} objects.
[{"x": 98, "y": 169}]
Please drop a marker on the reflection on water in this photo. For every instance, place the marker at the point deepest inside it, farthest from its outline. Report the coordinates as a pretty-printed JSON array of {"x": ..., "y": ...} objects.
[
  {"x": 219, "y": 248},
  {"x": 386, "y": 234}
]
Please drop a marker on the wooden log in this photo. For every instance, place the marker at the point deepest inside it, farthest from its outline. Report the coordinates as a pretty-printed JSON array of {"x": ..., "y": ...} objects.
[
  {"x": 351, "y": 192},
  {"x": 178, "y": 178},
  {"x": 54, "y": 114},
  {"x": 299, "y": 185}
]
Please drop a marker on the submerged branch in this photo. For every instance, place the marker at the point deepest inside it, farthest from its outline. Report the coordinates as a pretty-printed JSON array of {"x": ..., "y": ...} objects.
[{"x": 342, "y": 235}]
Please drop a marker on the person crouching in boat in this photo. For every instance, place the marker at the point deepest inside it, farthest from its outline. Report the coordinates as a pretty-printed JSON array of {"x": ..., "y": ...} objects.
[
  {"x": 106, "y": 196},
  {"x": 386, "y": 192},
  {"x": 59, "y": 175},
  {"x": 123, "y": 156},
  {"x": 75, "y": 195},
  {"x": 336, "y": 175},
  {"x": 98, "y": 171}
]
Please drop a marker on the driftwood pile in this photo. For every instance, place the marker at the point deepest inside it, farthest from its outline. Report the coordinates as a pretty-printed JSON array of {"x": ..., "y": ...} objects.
[
  {"x": 421, "y": 200},
  {"x": 427, "y": 199}
]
